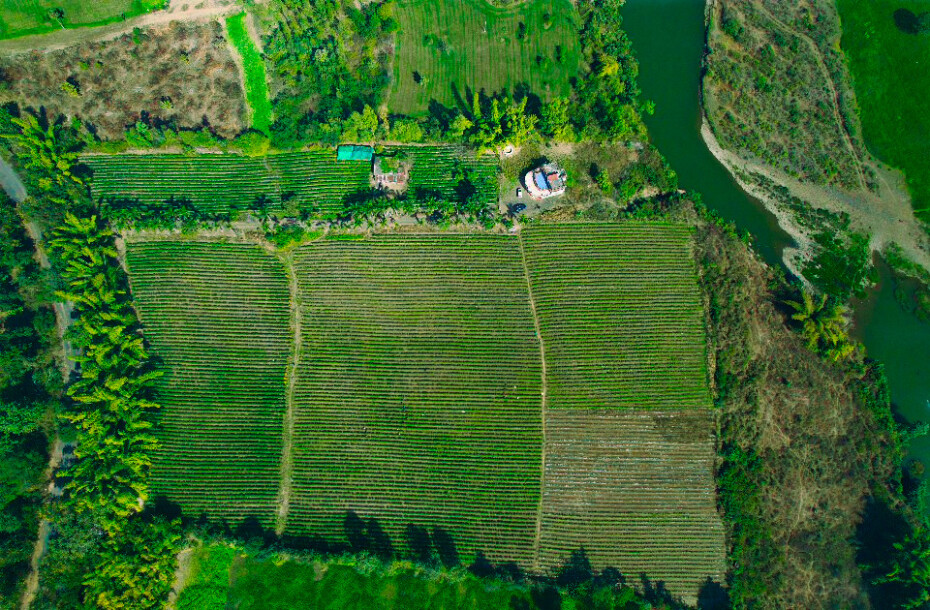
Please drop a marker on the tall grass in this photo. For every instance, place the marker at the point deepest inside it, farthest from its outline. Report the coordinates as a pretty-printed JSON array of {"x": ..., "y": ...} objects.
[{"x": 256, "y": 84}]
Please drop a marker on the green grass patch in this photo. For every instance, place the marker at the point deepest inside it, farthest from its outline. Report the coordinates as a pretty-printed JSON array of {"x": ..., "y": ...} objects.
[
  {"x": 448, "y": 48},
  {"x": 350, "y": 585},
  {"x": 223, "y": 577},
  {"x": 256, "y": 83},
  {"x": 25, "y": 17},
  {"x": 891, "y": 75}
]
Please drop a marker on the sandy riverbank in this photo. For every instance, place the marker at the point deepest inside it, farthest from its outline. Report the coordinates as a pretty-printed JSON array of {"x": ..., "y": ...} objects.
[{"x": 886, "y": 216}]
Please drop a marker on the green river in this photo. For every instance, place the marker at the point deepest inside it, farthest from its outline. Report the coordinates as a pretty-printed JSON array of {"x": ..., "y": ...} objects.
[{"x": 668, "y": 37}]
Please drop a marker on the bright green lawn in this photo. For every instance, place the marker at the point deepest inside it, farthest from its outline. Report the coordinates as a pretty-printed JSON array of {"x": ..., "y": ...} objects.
[
  {"x": 256, "y": 85},
  {"x": 221, "y": 577},
  {"x": 891, "y": 74},
  {"x": 22, "y": 17},
  {"x": 457, "y": 46}
]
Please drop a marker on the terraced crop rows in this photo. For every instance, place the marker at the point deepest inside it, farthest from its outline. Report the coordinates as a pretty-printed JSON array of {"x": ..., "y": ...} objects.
[
  {"x": 218, "y": 183},
  {"x": 433, "y": 168},
  {"x": 620, "y": 314},
  {"x": 418, "y": 395},
  {"x": 217, "y": 316},
  {"x": 419, "y": 386}
]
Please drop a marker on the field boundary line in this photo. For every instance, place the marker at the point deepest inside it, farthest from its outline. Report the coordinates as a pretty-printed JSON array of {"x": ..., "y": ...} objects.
[
  {"x": 287, "y": 455},
  {"x": 542, "y": 403}
]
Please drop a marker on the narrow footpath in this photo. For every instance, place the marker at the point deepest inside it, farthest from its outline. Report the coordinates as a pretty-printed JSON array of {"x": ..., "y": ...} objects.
[
  {"x": 543, "y": 388},
  {"x": 16, "y": 190},
  {"x": 287, "y": 459}
]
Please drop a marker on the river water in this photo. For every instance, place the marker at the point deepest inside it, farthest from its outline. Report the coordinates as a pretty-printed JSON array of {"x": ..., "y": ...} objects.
[{"x": 668, "y": 38}]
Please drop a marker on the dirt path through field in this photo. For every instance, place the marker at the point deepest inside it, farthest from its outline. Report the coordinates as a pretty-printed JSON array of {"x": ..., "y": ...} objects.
[
  {"x": 542, "y": 401},
  {"x": 287, "y": 459},
  {"x": 181, "y": 575},
  {"x": 828, "y": 80},
  {"x": 205, "y": 10}
]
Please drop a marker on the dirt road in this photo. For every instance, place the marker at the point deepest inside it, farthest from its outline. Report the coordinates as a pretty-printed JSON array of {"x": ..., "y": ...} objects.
[
  {"x": 11, "y": 183},
  {"x": 16, "y": 190},
  {"x": 205, "y": 10}
]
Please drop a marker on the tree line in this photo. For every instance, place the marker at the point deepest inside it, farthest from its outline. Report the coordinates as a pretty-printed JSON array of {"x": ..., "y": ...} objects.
[{"x": 127, "y": 555}]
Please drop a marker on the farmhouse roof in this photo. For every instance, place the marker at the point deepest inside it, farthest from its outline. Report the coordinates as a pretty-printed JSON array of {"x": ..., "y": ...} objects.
[
  {"x": 541, "y": 182},
  {"x": 354, "y": 152}
]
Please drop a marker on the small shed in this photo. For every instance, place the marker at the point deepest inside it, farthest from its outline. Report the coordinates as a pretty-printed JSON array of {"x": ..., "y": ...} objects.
[{"x": 355, "y": 152}]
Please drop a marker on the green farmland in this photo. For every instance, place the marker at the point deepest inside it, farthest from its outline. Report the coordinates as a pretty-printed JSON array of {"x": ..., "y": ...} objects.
[
  {"x": 23, "y": 17},
  {"x": 892, "y": 83},
  {"x": 311, "y": 178},
  {"x": 217, "y": 316},
  {"x": 452, "y": 381},
  {"x": 470, "y": 45},
  {"x": 440, "y": 376},
  {"x": 219, "y": 183}
]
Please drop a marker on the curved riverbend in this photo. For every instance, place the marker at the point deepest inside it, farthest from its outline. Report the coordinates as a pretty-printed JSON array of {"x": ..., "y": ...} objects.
[{"x": 669, "y": 40}]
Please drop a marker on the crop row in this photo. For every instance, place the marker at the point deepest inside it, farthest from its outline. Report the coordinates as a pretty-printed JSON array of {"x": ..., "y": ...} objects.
[
  {"x": 417, "y": 398},
  {"x": 636, "y": 490},
  {"x": 620, "y": 315},
  {"x": 218, "y": 183},
  {"x": 420, "y": 386},
  {"x": 439, "y": 168},
  {"x": 217, "y": 316},
  {"x": 277, "y": 182}
]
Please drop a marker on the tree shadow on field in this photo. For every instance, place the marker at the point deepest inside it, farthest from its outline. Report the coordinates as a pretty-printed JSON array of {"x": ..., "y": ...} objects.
[
  {"x": 655, "y": 592},
  {"x": 367, "y": 535},
  {"x": 712, "y": 596},
  {"x": 440, "y": 114},
  {"x": 251, "y": 529},
  {"x": 533, "y": 102},
  {"x": 465, "y": 107},
  {"x": 445, "y": 548},
  {"x": 419, "y": 543},
  {"x": 575, "y": 571},
  {"x": 169, "y": 509}
]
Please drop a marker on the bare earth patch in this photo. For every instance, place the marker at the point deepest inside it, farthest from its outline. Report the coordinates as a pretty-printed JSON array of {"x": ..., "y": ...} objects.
[{"x": 180, "y": 72}]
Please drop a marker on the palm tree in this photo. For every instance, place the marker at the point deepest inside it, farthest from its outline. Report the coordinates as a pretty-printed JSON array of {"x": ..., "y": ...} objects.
[{"x": 823, "y": 325}]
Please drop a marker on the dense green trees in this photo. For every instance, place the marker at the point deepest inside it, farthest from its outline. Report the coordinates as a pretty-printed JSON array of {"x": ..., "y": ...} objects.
[
  {"x": 128, "y": 557},
  {"x": 324, "y": 52},
  {"x": 113, "y": 406},
  {"x": 29, "y": 385}
]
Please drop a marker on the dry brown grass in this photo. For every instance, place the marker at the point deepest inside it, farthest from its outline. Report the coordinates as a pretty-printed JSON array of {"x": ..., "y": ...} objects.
[
  {"x": 778, "y": 90},
  {"x": 121, "y": 80},
  {"x": 821, "y": 448}
]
